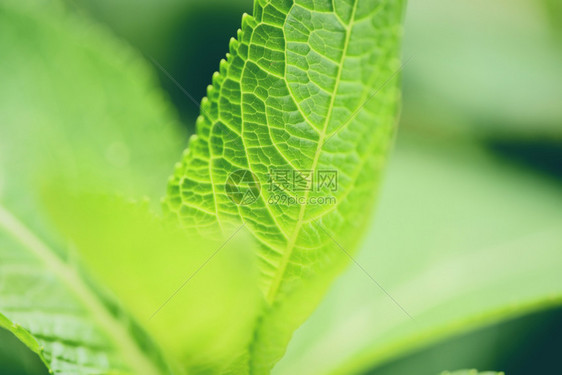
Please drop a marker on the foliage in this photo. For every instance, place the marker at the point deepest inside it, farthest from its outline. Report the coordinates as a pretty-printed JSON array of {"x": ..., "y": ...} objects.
[
  {"x": 447, "y": 278},
  {"x": 93, "y": 279}
]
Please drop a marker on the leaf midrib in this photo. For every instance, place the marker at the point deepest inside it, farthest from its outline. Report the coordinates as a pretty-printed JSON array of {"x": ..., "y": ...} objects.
[
  {"x": 130, "y": 350},
  {"x": 276, "y": 282}
]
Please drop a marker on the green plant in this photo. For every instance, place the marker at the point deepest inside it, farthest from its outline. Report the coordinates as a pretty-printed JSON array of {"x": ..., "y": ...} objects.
[{"x": 306, "y": 88}]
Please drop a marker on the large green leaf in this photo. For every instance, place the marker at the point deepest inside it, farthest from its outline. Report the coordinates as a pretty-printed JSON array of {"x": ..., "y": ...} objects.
[
  {"x": 452, "y": 273},
  {"x": 471, "y": 372},
  {"x": 308, "y": 85}
]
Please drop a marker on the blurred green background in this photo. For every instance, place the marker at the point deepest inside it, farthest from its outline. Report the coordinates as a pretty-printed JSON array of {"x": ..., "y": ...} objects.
[{"x": 483, "y": 85}]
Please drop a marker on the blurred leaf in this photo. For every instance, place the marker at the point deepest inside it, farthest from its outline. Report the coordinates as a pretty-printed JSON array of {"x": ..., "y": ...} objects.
[
  {"x": 51, "y": 309},
  {"x": 79, "y": 108},
  {"x": 169, "y": 31},
  {"x": 76, "y": 104},
  {"x": 452, "y": 273},
  {"x": 489, "y": 67},
  {"x": 471, "y": 372},
  {"x": 296, "y": 94},
  {"x": 186, "y": 290}
]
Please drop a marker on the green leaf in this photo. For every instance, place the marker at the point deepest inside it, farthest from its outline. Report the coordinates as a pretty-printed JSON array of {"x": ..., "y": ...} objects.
[
  {"x": 49, "y": 307},
  {"x": 309, "y": 86},
  {"x": 82, "y": 110},
  {"x": 187, "y": 291},
  {"x": 510, "y": 48},
  {"x": 452, "y": 273},
  {"x": 78, "y": 106},
  {"x": 471, "y": 372}
]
